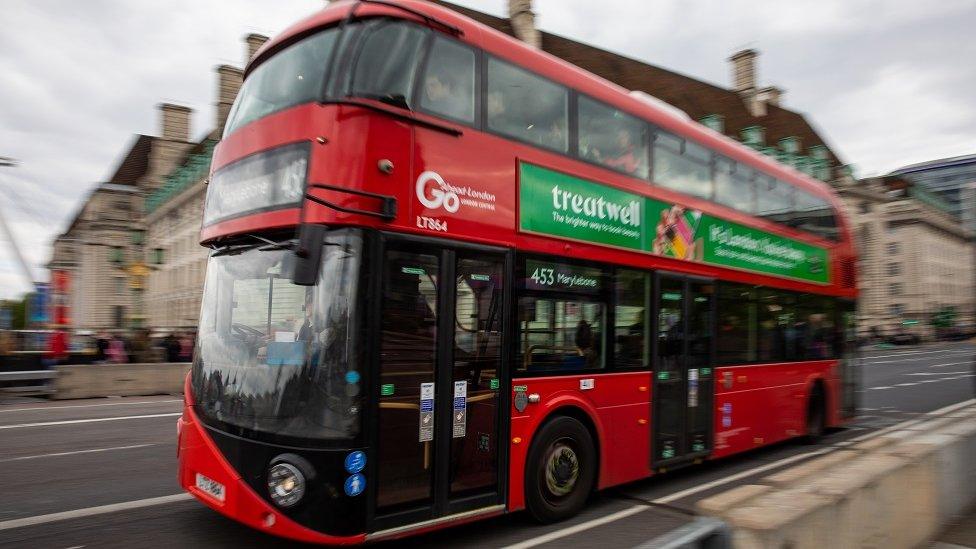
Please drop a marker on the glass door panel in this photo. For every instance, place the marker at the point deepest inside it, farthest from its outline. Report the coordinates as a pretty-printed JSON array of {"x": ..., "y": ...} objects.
[
  {"x": 408, "y": 352},
  {"x": 476, "y": 375},
  {"x": 669, "y": 370}
]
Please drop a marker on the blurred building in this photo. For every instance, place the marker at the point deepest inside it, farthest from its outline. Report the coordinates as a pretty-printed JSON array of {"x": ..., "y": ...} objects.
[
  {"x": 916, "y": 259},
  {"x": 174, "y": 213},
  {"x": 101, "y": 252},
  {"x": 951, "y": 179}
]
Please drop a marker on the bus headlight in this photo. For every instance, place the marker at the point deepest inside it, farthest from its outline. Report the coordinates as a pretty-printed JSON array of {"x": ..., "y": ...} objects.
[{"x": 286, "y": 484}]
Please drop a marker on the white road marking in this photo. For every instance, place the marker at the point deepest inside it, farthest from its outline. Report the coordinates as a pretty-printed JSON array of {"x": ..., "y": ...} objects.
[
  {"x": 46, "y": 408},
  {"x": 92, "y": 451},
  {"x": 92, "y": 511},
  {"x": 907, "y": 353},
  {"x": 913, "y": 359},
  {"x": 583, "y": 526},
  {"x": 936, "y": 373},
  {"x": 95, "y": 420},
  {"x": 951, "y": 364},
  {"x": 912, "y": 384}
]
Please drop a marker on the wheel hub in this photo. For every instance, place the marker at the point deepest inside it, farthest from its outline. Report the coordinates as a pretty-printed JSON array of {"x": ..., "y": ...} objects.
[{"x": 562, "y": 469}]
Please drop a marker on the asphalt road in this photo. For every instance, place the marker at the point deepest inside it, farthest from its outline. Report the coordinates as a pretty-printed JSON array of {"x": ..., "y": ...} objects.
[{"x": 59, "y": 460}]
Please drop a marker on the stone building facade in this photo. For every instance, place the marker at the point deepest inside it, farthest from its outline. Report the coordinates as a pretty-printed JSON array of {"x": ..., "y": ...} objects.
[
  {"x": 173, "y": 216},
  {"x": 102, "y": 249},
  {"x": 915, "y": 258}
]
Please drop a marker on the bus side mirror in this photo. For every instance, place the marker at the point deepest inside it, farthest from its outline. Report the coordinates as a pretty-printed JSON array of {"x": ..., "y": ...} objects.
[{"x": 308, "y": 255}]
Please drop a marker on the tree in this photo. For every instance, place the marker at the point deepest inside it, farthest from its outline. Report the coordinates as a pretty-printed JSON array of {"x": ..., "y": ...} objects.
[
  {"x": 18, "y": 312},
  {"x": 944, "y": 317}
]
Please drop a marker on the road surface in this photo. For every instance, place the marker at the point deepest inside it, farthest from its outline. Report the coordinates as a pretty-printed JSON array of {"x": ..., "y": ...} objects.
[{"x": 102, "y": 472}]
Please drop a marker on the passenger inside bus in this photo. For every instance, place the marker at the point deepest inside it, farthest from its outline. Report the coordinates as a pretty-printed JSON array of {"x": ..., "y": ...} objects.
[
  {"x": 442, "y": 95},
  {"x": 623, "y": 154}
]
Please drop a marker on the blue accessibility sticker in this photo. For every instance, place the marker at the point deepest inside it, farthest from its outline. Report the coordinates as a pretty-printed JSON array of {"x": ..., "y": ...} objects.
[
  {"x": 355, "y": 461},
  {"x": 355, "y": 485},
  {"x": 352, "y": 376}
]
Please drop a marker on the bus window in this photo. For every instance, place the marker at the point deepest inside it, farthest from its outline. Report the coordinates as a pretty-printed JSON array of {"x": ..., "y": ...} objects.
[
  {"x": 682, "y": 165},
  {"x": 612, "y": 138},
  {"x": 290, "y": 77},
  {"x": 777, "y": 326},
  {"x": 632, "y": 290},
  {"x": 737, "y": 324},
  {"x": 560, "y": 334},
  {"x": 814, "y": 215},
  {"x": 448, "y": 87},
  {"x": 774, "y": 199},
  {"x": 734, "y": 186},
  {"x": 387, "y": 62},
  {"x": 816, "y": 327},
  {"x": 526, "y": 107}
]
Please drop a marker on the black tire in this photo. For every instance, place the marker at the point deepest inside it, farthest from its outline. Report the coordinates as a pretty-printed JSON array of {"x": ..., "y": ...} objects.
[
  {"x": 816, "y": 416},
  {"x": 561, "y": 470}
]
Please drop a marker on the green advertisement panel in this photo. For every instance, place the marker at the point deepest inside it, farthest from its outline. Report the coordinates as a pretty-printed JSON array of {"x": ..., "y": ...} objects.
[{"x": 561, "y": 205}]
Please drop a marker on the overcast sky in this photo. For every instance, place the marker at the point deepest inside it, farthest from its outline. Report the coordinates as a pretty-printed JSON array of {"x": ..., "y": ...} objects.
[{"x": 886, "y": 82}]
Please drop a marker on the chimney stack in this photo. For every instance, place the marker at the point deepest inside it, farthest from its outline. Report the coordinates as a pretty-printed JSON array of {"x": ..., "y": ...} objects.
[
  {"x": 229, "y": 81},
  {"x": 770, "y": 95},
  {"x": 174, "y": 121},
  {"x": 744, "y": 71},
  {"x": 254, "y": 43},
  {"x": 523, "y": 22}
]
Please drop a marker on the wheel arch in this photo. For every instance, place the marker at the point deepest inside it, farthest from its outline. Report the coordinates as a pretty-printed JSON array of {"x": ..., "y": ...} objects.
[{"x": 588, "y": 419}]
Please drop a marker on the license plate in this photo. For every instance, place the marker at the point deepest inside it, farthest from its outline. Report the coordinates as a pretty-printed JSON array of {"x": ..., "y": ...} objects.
[{"x": 211, "y": 487}]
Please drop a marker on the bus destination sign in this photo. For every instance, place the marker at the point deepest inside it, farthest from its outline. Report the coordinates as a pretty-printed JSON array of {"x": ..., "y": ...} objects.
[
  {"x": 561, "y": 205},
  {"x": 560, "y": 277}
]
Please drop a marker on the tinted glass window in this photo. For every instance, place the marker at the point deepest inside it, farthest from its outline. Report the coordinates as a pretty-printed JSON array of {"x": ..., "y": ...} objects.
[
  {"x": 612, "y": 138},
  {"x": 560, "y": 334},
  {"x": 734, "y": 186},
  {"x": 816, "y": 328},
  {"x": 778, "y": 332},
  {"x": 682, "y": 166},
  {"x": 737, "y": 324},
  {"x": 814, "y": 215},
  {"x": 387, "y": 62},
  {"x": 448, "y": 87},
  {"x": 632, "y": 289},
  {"x": 526, "y": 107},
  {"x": 774, "y": 199},
  {"x": 290, "y": 77}
]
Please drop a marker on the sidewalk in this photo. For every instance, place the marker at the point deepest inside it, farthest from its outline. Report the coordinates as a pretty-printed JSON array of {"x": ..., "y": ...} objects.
[{"x": 959, "y": 535}]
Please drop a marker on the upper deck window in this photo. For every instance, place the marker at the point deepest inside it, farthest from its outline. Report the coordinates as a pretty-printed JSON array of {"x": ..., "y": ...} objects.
[
  {"x": 527, "y": 107},
  {"x": 814, "y": 215},
  {"x": 682, "y": 165},
  {"x": 386, "y": 63},
  {"x": 612, "y": 138},
  {"x": 734, "y": 186},
  {"x": 449, "y": 82},
  {"x": 774, "y": 199},
  {"x": 290, "y": 77}
]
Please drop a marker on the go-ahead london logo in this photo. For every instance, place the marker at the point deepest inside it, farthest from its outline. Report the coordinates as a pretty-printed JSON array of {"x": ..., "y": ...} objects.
[
  {"x": 438, "y": 195},
  {"x": 434, "y": 193}
]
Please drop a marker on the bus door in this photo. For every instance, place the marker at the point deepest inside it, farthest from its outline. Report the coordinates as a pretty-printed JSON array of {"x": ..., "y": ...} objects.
[
  {"x": 683, "y": 369},
  {"x": 440, "y": 338}
]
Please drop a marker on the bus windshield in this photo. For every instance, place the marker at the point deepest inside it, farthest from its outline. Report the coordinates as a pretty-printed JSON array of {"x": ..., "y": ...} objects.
[
  {"x": 279, "y": 358},
  {"x": 293, "y": 76}
]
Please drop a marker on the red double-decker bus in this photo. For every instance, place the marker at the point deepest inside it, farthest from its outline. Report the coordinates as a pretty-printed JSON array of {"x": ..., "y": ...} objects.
[{"x": 455, "y": 277}]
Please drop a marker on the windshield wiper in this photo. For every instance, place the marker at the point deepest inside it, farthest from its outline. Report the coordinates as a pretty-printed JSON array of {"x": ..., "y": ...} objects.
[
  {"x": 395, "y": 99},
  {"x": 262, "y": 245}
]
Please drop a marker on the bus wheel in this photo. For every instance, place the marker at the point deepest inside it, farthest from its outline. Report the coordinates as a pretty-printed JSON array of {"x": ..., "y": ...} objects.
[
  {"x": 816, "y": 415},
  {"x": 561, "y": 470}
]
